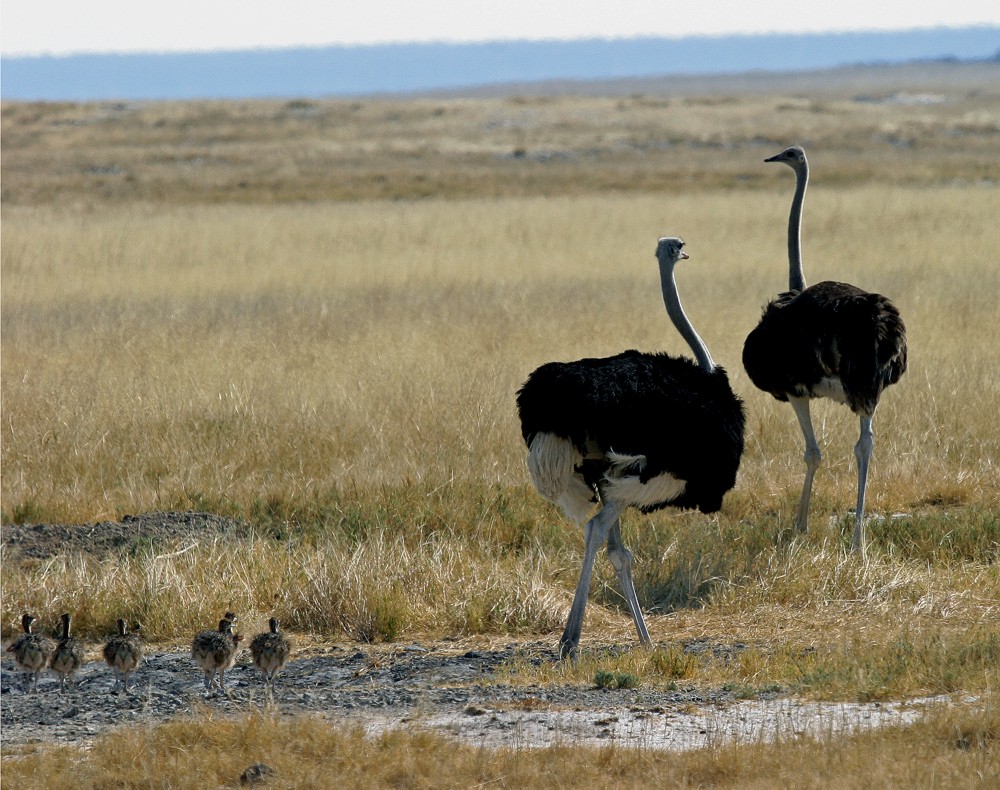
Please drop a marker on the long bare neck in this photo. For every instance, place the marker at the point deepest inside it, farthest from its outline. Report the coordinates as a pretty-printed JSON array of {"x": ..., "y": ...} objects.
[
  {"x": 676, "y": 312},
  {"x": 796, "y": 280}
]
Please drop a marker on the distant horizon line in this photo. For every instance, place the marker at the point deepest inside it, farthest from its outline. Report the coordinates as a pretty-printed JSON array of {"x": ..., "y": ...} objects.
[{"x": 43, "y": 55}]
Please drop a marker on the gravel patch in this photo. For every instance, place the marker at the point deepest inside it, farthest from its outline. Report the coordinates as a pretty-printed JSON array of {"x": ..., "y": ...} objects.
[{"x": 461, "y": 695}]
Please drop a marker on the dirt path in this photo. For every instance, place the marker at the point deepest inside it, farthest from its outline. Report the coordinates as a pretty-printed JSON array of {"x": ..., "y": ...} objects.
[{"x": 459, "y": 694}]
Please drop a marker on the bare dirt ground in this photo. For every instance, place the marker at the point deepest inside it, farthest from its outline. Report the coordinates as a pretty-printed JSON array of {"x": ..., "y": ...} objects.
[
  {"x": 38, "y": 541},
  {"x": 456, "y": 688}
]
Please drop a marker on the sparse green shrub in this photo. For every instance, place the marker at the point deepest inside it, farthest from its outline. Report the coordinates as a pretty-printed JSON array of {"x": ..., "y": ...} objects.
[
  {"x": 603, "y": 679},
  {"x": 673, "y": 663}
]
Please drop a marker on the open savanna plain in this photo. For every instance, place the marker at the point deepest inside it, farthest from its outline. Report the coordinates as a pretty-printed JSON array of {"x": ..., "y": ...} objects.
[{"x": 308, "y": 319}]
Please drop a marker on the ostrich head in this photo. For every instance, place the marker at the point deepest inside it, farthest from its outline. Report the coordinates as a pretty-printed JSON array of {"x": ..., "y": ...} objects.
[
  {"x": 226, "y": 628},
  {"x": 793, "y": 156},
  {"x": 26, "y": 621},
  {"x": 670, "y": 249}
]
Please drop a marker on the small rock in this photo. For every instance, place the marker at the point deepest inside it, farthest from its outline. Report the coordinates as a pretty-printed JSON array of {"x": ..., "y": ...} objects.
[{"x": 258, "y": 772}]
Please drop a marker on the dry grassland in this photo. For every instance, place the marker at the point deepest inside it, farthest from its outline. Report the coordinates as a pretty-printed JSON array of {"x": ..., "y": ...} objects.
[
  {"x": 242, "y": 308},
  {"x": 229, "y": 355},
  {"x": 889, "y": 126}
]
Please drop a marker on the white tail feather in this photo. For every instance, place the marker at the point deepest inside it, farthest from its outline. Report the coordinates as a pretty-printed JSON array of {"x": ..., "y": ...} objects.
[
  {"x": 622, "y": 484},
  {"x": 552, "y": 462}
]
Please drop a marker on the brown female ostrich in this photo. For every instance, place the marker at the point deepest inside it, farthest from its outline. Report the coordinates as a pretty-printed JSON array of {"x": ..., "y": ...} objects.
[{"x": 830, "y": 340}]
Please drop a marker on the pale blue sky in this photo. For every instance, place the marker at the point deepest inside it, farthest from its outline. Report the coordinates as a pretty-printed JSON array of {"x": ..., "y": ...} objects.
[{"x": 29, "y": 27}]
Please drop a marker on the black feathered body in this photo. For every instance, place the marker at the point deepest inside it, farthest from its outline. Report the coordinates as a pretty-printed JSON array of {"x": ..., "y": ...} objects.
[
  {"x": 682, "y": 420},
  {"x": 830, "y": 336}
]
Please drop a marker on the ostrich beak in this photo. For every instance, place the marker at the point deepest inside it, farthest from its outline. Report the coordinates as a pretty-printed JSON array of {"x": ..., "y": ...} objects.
[{"x": 684, "y": 255}]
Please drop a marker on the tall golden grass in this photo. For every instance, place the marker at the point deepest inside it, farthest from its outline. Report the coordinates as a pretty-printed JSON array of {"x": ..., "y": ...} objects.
[{"x": 158, "y": 358}]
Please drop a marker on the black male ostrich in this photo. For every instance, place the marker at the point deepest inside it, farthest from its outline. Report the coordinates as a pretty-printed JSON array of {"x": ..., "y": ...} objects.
[
  {"x": 646, "y": 430},
  {"x": 831, "y": 340}
]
